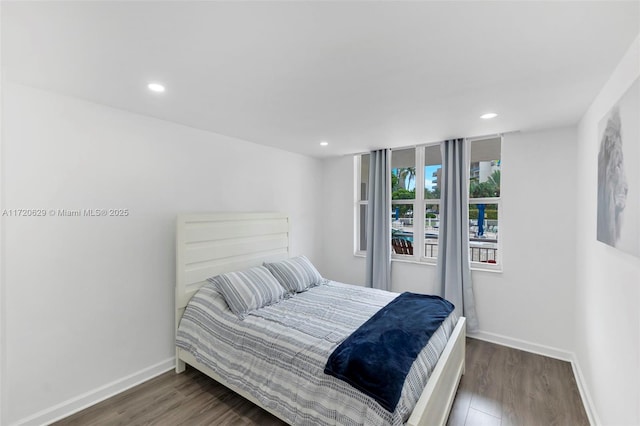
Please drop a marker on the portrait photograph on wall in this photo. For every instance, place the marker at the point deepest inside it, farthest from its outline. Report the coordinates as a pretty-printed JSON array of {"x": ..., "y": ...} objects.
[{"x": 619, "y": 174}]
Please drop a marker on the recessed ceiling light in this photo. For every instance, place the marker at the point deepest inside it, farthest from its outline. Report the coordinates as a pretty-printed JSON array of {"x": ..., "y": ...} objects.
[
  {"x": 488, "y": 115},
  {"x": 324, "y": 143},
  {"x": 155, "y": 87}
]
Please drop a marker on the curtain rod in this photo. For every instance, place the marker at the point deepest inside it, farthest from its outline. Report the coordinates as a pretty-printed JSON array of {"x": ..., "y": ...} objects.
[{"x": 471, "y": 138}]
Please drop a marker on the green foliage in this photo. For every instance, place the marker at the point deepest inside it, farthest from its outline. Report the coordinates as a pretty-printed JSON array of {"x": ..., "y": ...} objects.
[
  {"x": 482, "y": 190},
  {"x": 402, "y": 177},
  {"x": 490, "y": 212},
  {"x": 495, "y": 181},
  {"x": 403, "y": 210},
  {"x": 394, "y": 182},
  {"x": 403, "y": 194},
  {"x": 432, "y": 195},
  {"x": 488, "y": 189}
]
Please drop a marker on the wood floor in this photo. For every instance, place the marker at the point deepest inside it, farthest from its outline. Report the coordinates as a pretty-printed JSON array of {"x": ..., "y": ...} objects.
[
  {"x": 502, "y": 386},
  {"x": 505, "y": 387}
]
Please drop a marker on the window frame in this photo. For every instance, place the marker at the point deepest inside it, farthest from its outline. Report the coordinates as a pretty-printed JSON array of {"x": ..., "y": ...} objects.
[
  {"x": 359, "y": 202},
  {"x": 485, "y": 266},
  {"x": 419, "y": 210},
  {"x": 423, "y": 256}
]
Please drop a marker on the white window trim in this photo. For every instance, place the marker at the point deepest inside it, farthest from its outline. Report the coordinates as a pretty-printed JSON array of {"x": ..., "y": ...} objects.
[
  {"x": 482, "y": 266},
  {"x": 419, "y": 211},
  {"x": 356, "y": 213},
  {"x": 423, "y": 257}
]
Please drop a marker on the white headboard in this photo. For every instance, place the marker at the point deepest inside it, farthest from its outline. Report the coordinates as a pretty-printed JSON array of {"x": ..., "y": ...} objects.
[{"x": 209, "y": 244}]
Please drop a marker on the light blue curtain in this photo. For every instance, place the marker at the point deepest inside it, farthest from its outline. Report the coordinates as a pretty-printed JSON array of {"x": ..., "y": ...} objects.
[
  {"x": 453, "y": 272},
  {"x": 379, "y": 221}
]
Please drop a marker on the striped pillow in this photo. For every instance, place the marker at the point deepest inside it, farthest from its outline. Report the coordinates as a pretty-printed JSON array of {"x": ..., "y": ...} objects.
[
  {"x": 296, "y": 274},
  {"x": 245, "y": 291}
]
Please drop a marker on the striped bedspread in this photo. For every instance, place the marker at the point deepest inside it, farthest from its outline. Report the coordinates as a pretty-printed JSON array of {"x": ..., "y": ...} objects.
[{"x": 278, "y": 353}]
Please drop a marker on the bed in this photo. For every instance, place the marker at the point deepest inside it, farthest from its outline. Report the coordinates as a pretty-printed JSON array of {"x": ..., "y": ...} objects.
[{"x": 216, "y": 243}]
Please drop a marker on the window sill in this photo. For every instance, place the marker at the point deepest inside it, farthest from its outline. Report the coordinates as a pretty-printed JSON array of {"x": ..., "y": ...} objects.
[
  {"x": 411, "y": 260},
  {"x": 481, "y": 268}
]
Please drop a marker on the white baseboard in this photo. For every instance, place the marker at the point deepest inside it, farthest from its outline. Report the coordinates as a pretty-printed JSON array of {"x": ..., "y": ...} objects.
[
  {"x": 73, "y": 405},
  {"x": 551, "y": 352},
  {"x": 523, "y": 345},
  {"x": 584, "y": 392}
]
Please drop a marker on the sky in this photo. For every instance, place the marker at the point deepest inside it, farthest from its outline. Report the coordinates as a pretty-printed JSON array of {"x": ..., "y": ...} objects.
[{"x": 429, "y": 181}]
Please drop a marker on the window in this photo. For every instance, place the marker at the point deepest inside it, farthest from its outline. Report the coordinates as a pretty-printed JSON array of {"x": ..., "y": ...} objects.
[
  {"x": 403, "y": 200},
  {"x": 432, "y": 181},
  {"x": 484, "y": 201},
  {"x": 362, "y": 181},
  {"x": 416, "y": 178},
  {"x": 416, "y": 195}
]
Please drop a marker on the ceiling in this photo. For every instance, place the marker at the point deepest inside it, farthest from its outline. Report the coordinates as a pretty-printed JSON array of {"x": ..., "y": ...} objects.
[{"x": 359, "y": 75}]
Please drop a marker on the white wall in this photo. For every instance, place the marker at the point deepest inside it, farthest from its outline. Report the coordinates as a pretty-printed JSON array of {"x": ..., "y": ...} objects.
[
  {"x": 532, "y": 299},
  {"x": 89, "y": 301},
  {"x": 608, "y": 280},
  {"x": 527, "y": 305},
  {"x": 338, "y": 222}
]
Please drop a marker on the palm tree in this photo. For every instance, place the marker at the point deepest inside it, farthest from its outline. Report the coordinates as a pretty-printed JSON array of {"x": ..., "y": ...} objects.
[
  {"x": 488, "y": 188},
  {"x": 406, "y": 175},
  {"x": 494, "y": 180}
]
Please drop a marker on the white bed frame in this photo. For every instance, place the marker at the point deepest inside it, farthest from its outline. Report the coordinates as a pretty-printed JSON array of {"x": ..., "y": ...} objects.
[{"x": 213, "y": 243}]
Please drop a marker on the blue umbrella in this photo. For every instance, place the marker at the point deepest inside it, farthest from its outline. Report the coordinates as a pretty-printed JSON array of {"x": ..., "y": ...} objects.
[{"x": 480, "y": 220}]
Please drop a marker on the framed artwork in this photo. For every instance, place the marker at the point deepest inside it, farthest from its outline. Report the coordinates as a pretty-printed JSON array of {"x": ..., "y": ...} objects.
[{"x": 619, "y": 173}]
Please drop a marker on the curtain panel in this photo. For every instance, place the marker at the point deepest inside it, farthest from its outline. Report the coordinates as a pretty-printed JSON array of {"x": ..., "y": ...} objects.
[
  {"x": 453, "y": 271},
  {"x": 379, "y": 221}
]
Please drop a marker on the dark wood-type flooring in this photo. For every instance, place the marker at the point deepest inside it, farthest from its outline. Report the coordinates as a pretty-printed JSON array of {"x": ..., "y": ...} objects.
[{"x": 502, "y": 386}]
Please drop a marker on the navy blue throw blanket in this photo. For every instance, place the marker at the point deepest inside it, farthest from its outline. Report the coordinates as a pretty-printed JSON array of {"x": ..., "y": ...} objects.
[{"x": 377, "y": 357}]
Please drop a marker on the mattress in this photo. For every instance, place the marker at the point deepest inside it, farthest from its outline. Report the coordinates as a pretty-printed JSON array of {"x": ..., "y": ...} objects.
[{"x": 278, "y": 353}]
